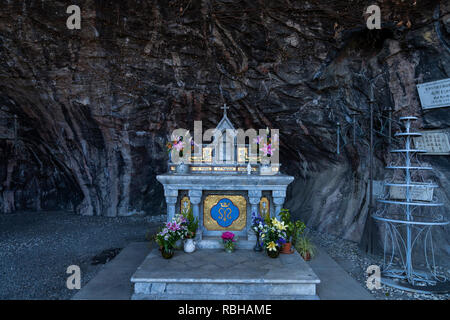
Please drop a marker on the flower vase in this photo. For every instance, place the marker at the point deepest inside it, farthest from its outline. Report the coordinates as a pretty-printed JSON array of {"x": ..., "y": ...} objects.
[
  {"x": 257, "y": 246},
  {"x": 273, "y": 253},
  {"x": 265, "y": 169},
  {"x": 189, "y": 246},
  {"x": 182, "y": 168},
  {"x": 167, "y": 253},
  {"x": 229, "y": 250}
]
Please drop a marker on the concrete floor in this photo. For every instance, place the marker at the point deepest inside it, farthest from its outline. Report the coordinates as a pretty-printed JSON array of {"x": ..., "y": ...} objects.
[
  {"x": 335, "y": 282},
  {"x": 113, "y": 281}
]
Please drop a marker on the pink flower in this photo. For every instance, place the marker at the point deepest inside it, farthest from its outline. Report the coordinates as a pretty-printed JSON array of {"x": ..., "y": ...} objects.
[
  {"x": 179, "y": 145},
  {"x": 267, "y": 149}
]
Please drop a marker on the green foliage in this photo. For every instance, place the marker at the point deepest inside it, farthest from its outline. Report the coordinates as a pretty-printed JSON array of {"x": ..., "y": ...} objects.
[
  {"x": 299, "y": 228},
  {"x": 304, "y": 245},
  {"x": 166, "y": 238},
  {"x": 293, "y": 229},
  {"x": 192, "y": 222},
  {"x": 229, "y": 245}
]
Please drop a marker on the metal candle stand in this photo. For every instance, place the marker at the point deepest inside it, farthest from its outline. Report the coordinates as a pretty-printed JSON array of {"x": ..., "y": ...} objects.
[{"x": 408, "y": 222}]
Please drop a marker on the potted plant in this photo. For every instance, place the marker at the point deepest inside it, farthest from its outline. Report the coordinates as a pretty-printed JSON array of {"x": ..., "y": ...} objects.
[
  {"x": 191, "y": 230},
  {"x": 229, "y": 241},
  {"x": 305, "y": 247},
  {"x": 257, "y": 227},
  {"x": 169, "y": 235},
  {"x": 274, "y": 236},
  {"x": 293, "y": 230}
]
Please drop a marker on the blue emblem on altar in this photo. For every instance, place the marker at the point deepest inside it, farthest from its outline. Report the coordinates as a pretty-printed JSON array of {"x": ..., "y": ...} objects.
[{"x": 225, "y": 212}]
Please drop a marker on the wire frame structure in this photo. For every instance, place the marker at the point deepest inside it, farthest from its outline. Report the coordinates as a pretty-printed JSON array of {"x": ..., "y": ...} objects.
[{"x": 409, "y": 210}]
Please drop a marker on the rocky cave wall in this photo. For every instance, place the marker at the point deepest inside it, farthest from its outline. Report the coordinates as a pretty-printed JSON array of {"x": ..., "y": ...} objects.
[{"x": 84, "y": 114}]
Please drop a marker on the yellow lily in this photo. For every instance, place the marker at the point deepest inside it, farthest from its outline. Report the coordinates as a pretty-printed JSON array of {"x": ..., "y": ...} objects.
[
  {"x": 272, "y": 246},
  {"x": 279, "y": 225}
]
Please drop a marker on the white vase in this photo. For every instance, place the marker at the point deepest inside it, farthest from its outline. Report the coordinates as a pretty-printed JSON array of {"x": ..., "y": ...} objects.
[
  {"x": 182, "y": 168},
  {"x": 265, "y": 169},
  {"x": 189, "y": 245}
]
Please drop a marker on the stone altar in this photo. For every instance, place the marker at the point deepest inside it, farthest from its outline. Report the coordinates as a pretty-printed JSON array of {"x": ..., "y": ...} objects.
[{"x": 223, "y": 196}]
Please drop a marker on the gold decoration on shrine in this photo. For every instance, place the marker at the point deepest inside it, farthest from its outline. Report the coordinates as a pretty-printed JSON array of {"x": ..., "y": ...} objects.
[
  {"x": 242, "y": 154},
  {"x": 207, "y": 155},
  {"x": 212, "y": 200},
  {"x": 264, "y": 208},
  {"x": 185, "y": 204}
]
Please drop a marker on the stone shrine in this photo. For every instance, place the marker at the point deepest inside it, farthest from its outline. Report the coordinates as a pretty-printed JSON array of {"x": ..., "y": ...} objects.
[{"x": 222, "y": 193}]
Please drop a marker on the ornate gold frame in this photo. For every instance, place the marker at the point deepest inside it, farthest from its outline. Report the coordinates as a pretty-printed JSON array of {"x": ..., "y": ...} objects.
[
  {"x": 183, "y": 200},
  {"x": 211, "y": 200},
  {"x": 265, "y": 201}
]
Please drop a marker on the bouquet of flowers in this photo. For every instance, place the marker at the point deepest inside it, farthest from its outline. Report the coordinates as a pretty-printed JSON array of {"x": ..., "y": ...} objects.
[
  {"x": 172, "y": 232},
  {"x": 229, "y": 241},
  {"x": 274, "y": 235},
  {"x": 258, "y": 223},
  {"x": 177, "y": 144},
  {"x": 191, "y": 223},
  {"x": 267, "y": 144}
]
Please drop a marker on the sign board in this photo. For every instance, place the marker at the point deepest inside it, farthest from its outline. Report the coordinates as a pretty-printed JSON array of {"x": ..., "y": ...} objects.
[
  {"x": 436, "y": 142},
  {"x": 434, "y": 94},
  {"x": 417, "y": 193}
]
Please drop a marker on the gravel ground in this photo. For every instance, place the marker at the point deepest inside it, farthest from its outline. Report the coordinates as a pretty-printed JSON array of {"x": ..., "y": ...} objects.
[
  {"x": 37, "y": 247},
  {"x": 353, "y": 260}
]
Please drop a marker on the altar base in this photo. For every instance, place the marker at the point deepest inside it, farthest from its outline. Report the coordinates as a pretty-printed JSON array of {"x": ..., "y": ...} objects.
[{"x": 211, "y": 274}]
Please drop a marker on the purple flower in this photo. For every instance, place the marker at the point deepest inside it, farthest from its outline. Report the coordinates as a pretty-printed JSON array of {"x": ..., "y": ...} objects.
[
  {"x": 257, "y": 140},
  {"x": 281, "y": 241}
]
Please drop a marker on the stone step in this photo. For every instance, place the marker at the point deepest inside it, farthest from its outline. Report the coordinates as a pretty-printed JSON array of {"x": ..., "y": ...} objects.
[
  {"x": 222, "y": 297},
  {"x": 214, "y": 274},
  {"x": 245, "y": 290}
]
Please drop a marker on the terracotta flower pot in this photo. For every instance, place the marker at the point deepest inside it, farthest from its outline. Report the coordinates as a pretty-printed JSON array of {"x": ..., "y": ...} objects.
[
  {"x": 306, "y": 256},
  {"x": 287, "y": 248}
]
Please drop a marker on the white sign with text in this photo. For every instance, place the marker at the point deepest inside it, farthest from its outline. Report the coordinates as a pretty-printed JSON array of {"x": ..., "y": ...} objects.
[{"x": 434, "y": 94}]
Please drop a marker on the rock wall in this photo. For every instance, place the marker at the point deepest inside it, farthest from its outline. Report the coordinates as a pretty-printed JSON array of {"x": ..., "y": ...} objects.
[{"x": 95, "y": 106}]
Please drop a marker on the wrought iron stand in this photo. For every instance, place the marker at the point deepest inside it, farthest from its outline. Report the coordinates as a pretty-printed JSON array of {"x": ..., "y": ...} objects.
[{"x": 408, "y": 218}]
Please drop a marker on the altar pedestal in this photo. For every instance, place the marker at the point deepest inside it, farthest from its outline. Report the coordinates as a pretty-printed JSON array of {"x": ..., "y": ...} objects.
[{"x": 216, "y": 274}]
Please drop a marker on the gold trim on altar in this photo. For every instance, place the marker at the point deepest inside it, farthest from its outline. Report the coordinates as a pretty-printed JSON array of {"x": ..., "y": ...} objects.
[
  {"x": 244, "y": 169},
  {"x": 201, "y": 168},
  {"x": 212, "y": 200},
  {"x": 207, "y": 155},
  {"x": 242, "y": 154},
  {"x": 264, "y": 208},
  {"x": 185, "y": 204},
  {"x": 224, "y": 168}
]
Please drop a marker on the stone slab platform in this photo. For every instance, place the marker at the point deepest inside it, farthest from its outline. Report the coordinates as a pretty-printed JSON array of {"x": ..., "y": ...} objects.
[{"x": 215, "y": 274}]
